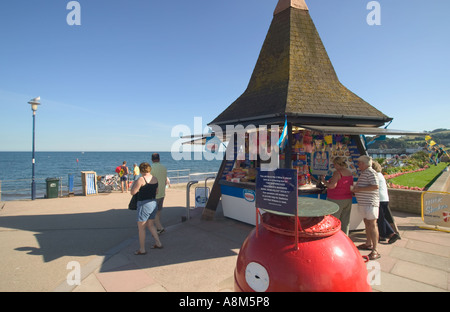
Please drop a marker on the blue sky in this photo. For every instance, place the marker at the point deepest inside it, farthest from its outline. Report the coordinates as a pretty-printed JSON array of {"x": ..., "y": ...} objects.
[{"x": 134, "y": 69}]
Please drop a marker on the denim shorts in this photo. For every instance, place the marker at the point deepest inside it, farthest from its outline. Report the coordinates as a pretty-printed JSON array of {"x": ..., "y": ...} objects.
[{"x": 146, "y": 210}]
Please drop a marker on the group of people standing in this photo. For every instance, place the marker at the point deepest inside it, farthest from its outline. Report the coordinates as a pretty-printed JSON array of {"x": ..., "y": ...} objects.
[
  {"x": 124, "y": 172},
  {"x": 150, "y": 184},
  {"x": 373, "y": 201}
]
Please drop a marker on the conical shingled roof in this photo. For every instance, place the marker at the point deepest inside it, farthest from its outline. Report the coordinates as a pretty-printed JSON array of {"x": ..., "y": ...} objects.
[{"x": 294, "y": 77}]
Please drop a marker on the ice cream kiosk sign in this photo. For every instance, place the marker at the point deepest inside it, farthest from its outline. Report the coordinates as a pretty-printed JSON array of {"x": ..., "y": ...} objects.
[
  {"x": 436, "y": 208},
  {"x": 277, "y": 191}
]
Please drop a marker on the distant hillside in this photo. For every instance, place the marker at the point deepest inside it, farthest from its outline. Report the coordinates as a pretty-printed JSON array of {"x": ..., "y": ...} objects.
[{"x": 440, "y": 136}]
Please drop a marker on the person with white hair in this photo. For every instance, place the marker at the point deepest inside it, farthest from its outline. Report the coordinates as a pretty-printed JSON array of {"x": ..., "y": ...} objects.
[{"x": 367, "y": 195}]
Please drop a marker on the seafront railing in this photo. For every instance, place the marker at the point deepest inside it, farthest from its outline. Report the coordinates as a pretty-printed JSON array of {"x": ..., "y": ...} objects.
[
  {"x": 21, "y": 188},
  {"x": 175, "y": 176},
  {"x": 185, "y": 175}
]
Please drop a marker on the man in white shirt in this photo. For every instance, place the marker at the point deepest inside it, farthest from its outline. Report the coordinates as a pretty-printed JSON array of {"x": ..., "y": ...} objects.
[
  {"x": 386, "y": 225},
  {"x": 367, "y": 195}
]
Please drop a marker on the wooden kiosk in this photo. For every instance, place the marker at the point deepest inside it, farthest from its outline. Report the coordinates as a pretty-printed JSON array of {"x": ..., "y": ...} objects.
[{"x": 293, "y": 84}]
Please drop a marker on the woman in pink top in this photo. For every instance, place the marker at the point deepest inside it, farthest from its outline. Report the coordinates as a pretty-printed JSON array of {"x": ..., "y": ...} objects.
[{"x": 339, "y": 192}]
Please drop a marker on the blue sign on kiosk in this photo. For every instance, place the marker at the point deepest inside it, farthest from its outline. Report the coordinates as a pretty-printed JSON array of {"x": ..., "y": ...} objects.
[{"x": 277, "y": 191}]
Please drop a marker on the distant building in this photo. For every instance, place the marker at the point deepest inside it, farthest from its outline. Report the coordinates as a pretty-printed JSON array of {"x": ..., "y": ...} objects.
[{"x": 391, "y": 152}]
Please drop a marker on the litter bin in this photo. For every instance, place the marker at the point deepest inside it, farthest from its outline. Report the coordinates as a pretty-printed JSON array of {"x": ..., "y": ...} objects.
[{"x": 52, "y": 187}]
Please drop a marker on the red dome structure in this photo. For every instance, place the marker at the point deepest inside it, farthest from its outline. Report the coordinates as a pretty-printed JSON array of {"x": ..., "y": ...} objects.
[{"x": 324, "y": 260}]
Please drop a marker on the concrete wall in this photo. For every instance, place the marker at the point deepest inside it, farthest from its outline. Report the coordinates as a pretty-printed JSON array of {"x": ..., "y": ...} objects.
[{"x": 410, "y": 201}]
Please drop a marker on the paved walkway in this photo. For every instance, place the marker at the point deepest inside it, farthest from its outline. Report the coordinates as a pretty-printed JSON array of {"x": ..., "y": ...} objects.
[
  {"x": 201, "y": 256},
  {"x": 39, "y": 239}
]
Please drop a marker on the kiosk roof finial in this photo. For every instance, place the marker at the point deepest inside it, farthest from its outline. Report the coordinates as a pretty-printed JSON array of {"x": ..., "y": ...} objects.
[{"x": 285, "y": 4}]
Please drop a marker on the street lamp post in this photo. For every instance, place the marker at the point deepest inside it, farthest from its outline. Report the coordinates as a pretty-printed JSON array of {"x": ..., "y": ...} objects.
[{"x": 34, "y": 104}]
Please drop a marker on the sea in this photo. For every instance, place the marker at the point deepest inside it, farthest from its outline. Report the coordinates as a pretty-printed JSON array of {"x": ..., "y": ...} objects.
[{"x": 16, "y": 169}]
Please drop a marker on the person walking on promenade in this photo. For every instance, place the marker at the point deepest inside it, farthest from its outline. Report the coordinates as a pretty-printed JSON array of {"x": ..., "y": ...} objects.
[
  {"x": 147, "y": 186},
  {"x": 124, "y": 176},
  {"x": 367, "y": 195},
  {"x": 385, "y": 230},
  {"x": 339, "y": 192},
  {"x": 160, "y": 172}
]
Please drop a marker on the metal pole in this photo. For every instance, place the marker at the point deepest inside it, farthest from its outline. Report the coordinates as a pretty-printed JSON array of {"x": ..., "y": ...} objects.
[
  {"x": 188, "y": 199},
  {"x": 206, "y": 186},
  {"x": 33, "y": 182}
]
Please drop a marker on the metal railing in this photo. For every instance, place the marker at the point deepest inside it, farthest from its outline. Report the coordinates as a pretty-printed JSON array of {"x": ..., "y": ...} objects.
[
  {"x": 185, "y": 175},
  {"x": 178, "y": 176},
  {"x": 16, "y": 188},
  {"x": 202, "y": 176},
  {"x": 21, "y": 188}
]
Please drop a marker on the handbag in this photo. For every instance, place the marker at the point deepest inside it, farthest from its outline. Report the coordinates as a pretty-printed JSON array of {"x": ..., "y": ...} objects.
[{"x": 133, "y": 202}]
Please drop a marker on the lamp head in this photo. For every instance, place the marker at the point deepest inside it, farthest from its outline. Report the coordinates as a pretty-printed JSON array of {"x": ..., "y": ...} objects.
[{"x": 34, "y": 103}]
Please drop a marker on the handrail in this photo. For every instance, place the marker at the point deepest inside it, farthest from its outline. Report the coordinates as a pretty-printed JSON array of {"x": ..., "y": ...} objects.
[
  {"x": 177, "y": 175},
  {"x": 15, "y": 190},
  {"x": 188, "y": 199},
  {"x": 206, "y": 183},
  {"x": 202, "y": 173}
]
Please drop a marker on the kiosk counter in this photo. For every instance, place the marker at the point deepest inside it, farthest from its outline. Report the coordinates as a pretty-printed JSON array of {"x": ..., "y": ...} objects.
[{"x": 310, "y": 152}]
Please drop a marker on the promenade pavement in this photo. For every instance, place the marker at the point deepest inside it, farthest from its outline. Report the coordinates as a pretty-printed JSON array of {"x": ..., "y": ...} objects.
[{"x": 45, "y": 241}]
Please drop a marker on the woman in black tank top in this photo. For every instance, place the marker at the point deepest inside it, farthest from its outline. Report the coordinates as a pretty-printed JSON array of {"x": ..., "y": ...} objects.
[
  {"x": 147, "y": 186},
  {"x": 148, "y": 191}
]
